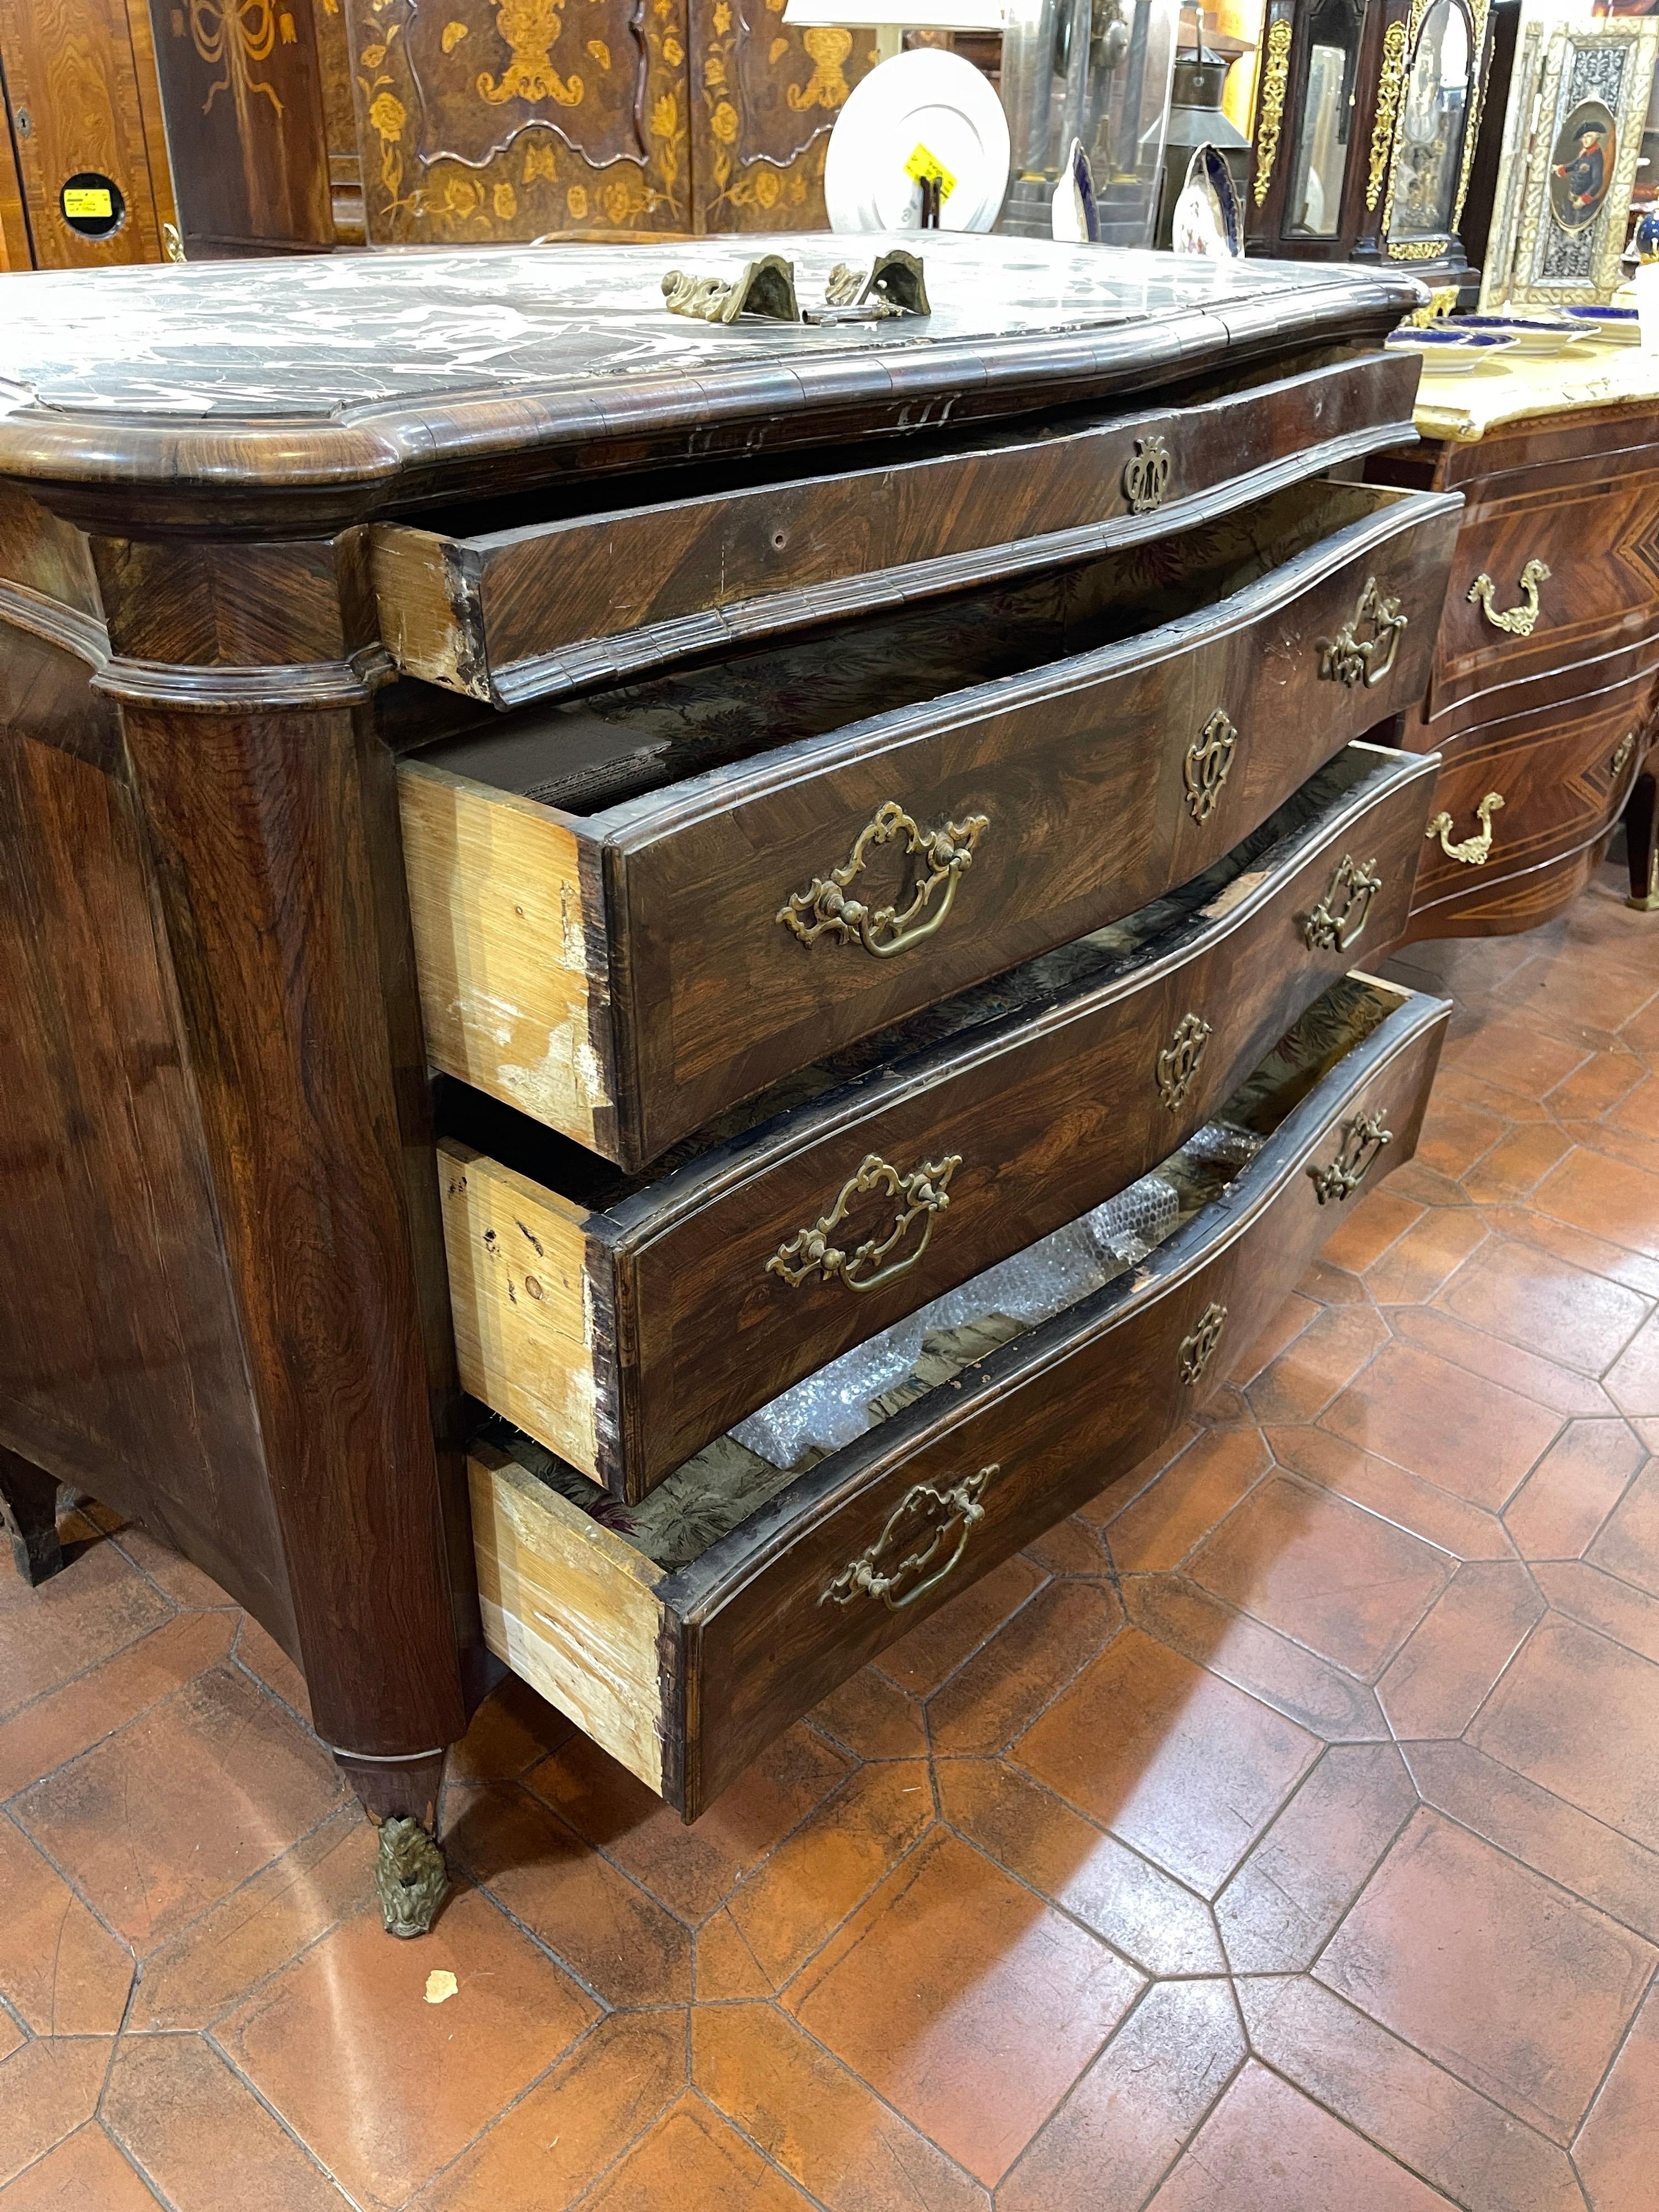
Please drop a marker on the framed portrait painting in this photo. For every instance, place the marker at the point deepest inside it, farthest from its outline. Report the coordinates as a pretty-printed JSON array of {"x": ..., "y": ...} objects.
[{"x": 1570, "y": 162}]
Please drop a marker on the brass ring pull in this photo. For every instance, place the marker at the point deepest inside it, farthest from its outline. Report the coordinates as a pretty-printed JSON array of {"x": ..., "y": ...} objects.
[
  {"x": 1363, "y": 1139},
  {"x": 923, "y": 1193},
  {"x": 924, "y": 1518},
  {"x": 883, "y": 931},
  {"x": 1350, "y": 659},
  {"x": 1339, "y": 920},
  {"x": 1198, "y": 1350},
  {"x": 1471, "y": 852},
  {"x": 1181, "y": 1059},
  {"x": 1514, "y": 622}
]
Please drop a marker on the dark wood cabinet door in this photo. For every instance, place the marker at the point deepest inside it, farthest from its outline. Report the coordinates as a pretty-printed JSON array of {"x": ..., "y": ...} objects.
[
  {"x": 482, "y": 121},
  {"x": 72, "y": 87},
  {"x": 243, "y": 94},
  {"x": 764, "y": 96}
]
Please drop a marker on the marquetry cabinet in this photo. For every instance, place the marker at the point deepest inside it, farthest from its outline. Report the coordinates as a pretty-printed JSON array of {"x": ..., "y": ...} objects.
[{"x": 561, "y": 881}]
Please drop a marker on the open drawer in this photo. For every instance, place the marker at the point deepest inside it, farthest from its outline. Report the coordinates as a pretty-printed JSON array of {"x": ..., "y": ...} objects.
[
  {"x": 632, "y": 911},
  {"x": 511, "y": 610},
  {"x": 686, "y": 1634},
  {"x": 625, "y": 1320}
]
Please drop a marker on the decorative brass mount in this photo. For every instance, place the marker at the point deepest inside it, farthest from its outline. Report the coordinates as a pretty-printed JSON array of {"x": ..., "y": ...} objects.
[
  {"x": 1208, "y": 762},
  {"x": 1620, "y": 760},
  {"x": 1270, "y": 112},
  {"x": 894, "y": 285},
  {"x": 1180, "y": 1061},
  {"x": 1515, "y": 622},
  {"x": 1363, "y": 1139},
  {"x": 924, "y": 1518},
  {"x": 883, "y": 931},
  {"x": 1349, "y": 659},
  {"x": 1146, "y": 475},
  {"x": 923, "y": 1193},
  {"x": 1471, "y": 852},
  {"x": 1198, "y": 1350},
  {"x": 1339, "y": 920}
]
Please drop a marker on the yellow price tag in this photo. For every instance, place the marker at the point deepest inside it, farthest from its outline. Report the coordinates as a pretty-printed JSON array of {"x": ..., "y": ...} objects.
[
  {"x": 87, "y": 200},
  {"x": 927, "y": 168}
]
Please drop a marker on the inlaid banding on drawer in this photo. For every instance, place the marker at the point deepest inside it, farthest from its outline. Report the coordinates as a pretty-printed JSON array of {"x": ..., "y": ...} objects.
[
  {"x": 629, "y": 979},
  {"x": 513, "y": 614},
  {"x": 875, "y": 1182},
  {"x": 685, "y": 1673}
]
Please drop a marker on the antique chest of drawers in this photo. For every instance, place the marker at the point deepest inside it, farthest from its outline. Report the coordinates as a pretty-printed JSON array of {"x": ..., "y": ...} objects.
[
  {"x": 579, "y": 880},
  {"x": 1542, "y": 696}
]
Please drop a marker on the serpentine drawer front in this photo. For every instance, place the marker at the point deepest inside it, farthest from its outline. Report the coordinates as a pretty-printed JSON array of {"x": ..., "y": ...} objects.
[
  {"x": 511, "y": 612},
  {"x": 1524, "y": 806},
  {"x": 685, "y": 1672},
  {"x": 635, "y": 910},
  {"x": 878, "y": 1182}
]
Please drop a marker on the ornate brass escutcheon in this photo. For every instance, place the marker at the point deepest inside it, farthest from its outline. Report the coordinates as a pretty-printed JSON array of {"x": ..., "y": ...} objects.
[
  {"x": 923, "y": 1194},
  {"x": 1620, "y": 760},
  {"x": 1179, "y": 1059},
  {"x": 1146, "y": 475},
  {"x": 1208, "y": 761},
  {"x": 1515, "y": 622},
  {"x": 1350, "y": 659},
  {"x": 883, "y": 931},
  {"x": 925, "y": 1518},
  {"x": 1473, "y": 852},
  {"x": 1270, "y": 104},
  {"x": 1363, "y": 1139},
  {"x": 1339, "y": 920},
  {"x": 1198, "y": 1350}
]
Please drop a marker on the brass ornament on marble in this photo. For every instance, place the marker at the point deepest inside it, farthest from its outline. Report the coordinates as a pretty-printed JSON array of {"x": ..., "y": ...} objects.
[
  {"x": 1471, "y": 852},
  {"x": 884, "y": 931},
  {"x": 1270, "y": 112},
  {"x": 921, "y": 1195},
  {"x": 1208, "y": 762},
  {"x": 1146, "y": 475},
  {"x": 1198, "y": 1350},
  {"x": 1351, "y": 658},
  {"x": 924, "y": 1519},
  {"x": 1391, "y": 81},
  {"x": 763, "y": 286},
  {"x": 1181, "y": 1059},
  {"x": 1514, "y": 622},
  {"x": 1362, "y": 1140},
  {"x": 1339, "y": 920}
]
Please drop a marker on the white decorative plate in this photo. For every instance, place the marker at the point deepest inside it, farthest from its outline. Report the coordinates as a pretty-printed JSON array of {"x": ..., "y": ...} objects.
[{"x": 932, "y": 101}]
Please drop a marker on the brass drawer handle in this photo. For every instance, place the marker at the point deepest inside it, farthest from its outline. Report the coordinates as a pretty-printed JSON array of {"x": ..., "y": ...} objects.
[
  {"x": 1181, "y": 1059},
  {"x": 1208, "y": 763},
  {"x": 1146, "y": 475},
  {"x": 1471, "y": 852},
  {"x": 1363, "y": 1139},
  {"x": 924, "y": 1192},
  {"x": 883, "y": 931},
  {"x": 1620, "y": 760},
  {"x": 1198, "y": 1350},
  {"x": 1514, "y": 622},
  {"x": 1349, "y": 659},
  {"x": 923, "y": 1517},
  {"x": 1339, "y": 920}
]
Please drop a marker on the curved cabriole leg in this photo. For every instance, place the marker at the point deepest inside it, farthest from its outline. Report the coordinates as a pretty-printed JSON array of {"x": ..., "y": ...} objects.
[
  {"x": 29, "y": 1509},
  {"x": 400, "y": 1796},
  {"x": 1642, "y": 834}
]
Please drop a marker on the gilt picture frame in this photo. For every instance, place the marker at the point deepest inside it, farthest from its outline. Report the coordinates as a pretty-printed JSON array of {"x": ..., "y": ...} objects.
[{"x": 1565, "y": 185}]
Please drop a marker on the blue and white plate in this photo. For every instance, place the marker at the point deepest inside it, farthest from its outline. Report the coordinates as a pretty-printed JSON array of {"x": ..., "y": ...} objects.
[
  {"x": 1608, "y": 326},
  {"x": 1526, "y": 333}
]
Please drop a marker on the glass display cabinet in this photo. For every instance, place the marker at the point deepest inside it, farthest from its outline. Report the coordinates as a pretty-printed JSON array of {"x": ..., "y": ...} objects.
[
  {"x": 1099, "y": 71},
  {"x": 1367, "y": 113}
]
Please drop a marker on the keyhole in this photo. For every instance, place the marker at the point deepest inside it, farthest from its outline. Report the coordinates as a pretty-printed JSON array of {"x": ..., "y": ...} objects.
[
  {"x": 25, "y": 122},
  {"x": 779, "y": 541}
]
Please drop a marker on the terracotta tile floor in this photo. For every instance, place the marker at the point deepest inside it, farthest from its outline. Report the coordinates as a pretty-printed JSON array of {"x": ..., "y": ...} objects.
[{"x": 1281, "y": 1834}]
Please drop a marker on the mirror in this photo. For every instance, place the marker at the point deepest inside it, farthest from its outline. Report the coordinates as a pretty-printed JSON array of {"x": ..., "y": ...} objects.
[
  {"x": 1433, "y": 115},
  {"x": 1314, "y": 206}
]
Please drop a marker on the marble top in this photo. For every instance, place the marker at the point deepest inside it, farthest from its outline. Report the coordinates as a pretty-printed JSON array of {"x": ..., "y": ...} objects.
[
  {"x": 1520, "y": 388},
  {"x": 324, "y": 336}
]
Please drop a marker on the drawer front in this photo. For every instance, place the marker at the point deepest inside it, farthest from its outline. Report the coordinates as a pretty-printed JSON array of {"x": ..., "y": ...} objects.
[
  {"x": 777, "y": 1617},
  {"x": 1548, "y": 574},
  {"x": 1519, "y": 797},
  {"x": 1021, "y": 1126},
  {"x": 1082, "y": 790},
  {"x": 522, "y": 614}
]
